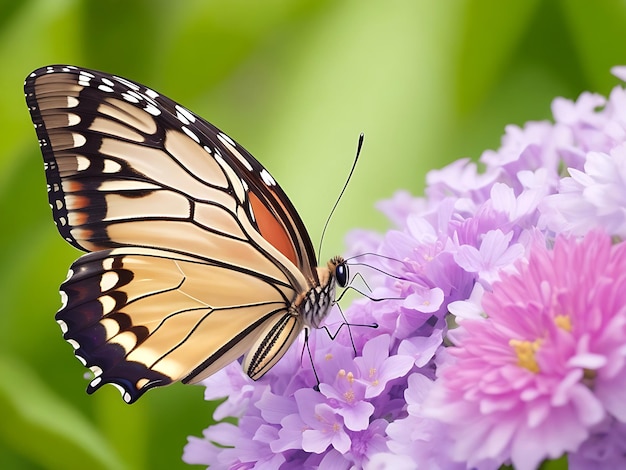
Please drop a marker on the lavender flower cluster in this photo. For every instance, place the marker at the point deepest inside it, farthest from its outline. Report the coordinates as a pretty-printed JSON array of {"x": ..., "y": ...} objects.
[{"x": 502, "y": 339}]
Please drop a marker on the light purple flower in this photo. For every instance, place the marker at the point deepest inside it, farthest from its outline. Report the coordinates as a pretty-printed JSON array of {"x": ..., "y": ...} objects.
[
  {"x": 605, "y": 448},
  {"x": 369, "y": 442},
  {"x": 593, "y": 197},
  {"x": 538, "y": 365},
  {"x": 417, "y": 440},
  {"x": 346, "y": 396},
  {"x": 496, "y": 253},
  {"x": 324, "y": 426},
  {"x": 376, "y": 368},
  {"x": 243, "y": 449}
]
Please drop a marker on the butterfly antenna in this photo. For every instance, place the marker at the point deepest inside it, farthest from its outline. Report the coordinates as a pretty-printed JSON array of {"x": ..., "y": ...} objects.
[{"x": 332, "y": 211}]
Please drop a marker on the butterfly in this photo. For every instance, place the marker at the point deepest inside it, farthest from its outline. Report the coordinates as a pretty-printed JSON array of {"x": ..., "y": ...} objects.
[{"x": 195, "y": 254}]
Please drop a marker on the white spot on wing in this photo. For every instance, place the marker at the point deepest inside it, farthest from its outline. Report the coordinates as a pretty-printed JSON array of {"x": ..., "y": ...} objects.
[
  {"x": 182, "y": 118},
  {"x": 151, "y": 93},
  {"x": 97, "y": 371},
  {"x": 129, "y": 84},
  {"x": 130, "y": 98},
  {"x": 95, "y": 382},
  {"x": 109, "y": 281},
  {"x": 108, "y": 304},
  {"x": 225, "y": 139},
  {"x": 63, "y": 326},
  {"x": 79, "y": 140},
  {"x": 82, "y": 163},
  {"x": 108, "y": 82},
  {"x": 267, "y": 178},
  {"x": 246, "y": 163},
  {"x": 75, "y": 345},
  {"x": 185, "y": 112},
  {"x": 84, "y": 78},
  {"x": 150, "y": 108},
  {"x": 111, "y": 166},
  {"x": 190, "y": 134},
  {"x": 135, "y": 95},
  {"x": 73, "y": 119}
]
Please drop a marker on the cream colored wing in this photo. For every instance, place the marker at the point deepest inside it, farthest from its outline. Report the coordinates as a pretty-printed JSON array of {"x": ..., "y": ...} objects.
[
  {"x": 141, "y": 318},
  {"x": 116, "y": 152}
]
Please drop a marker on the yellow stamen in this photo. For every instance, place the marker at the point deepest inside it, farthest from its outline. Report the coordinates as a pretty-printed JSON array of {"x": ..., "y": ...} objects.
[
  {"x": 373, "y": 377},
  {"x": 525, "y": 351},
  {"x": 564, "y": 322}
]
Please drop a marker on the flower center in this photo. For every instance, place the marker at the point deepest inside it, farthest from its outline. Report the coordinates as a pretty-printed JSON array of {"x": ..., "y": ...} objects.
[
  {"x": 525, "y": 351},
  {"x": 564, "y": 322},
  {"x": 373, "y": 376}
]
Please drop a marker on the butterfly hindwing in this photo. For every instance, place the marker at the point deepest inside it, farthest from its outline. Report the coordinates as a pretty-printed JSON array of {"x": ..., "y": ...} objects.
[{"x": 140, "y": 318}]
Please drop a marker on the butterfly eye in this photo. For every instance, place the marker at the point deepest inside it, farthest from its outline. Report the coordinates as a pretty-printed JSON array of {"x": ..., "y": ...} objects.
[{"x": 341, "y": 274}]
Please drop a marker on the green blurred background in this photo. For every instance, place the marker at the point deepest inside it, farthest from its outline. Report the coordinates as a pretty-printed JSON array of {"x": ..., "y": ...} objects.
[{"x": 295, "y": 81}]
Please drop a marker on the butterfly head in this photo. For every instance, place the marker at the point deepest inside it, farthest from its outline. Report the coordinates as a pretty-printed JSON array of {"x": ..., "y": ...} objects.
[{"x": 338, "y": 269}]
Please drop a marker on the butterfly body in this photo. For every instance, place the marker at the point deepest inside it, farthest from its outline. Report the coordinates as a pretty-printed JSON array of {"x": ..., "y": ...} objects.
[{"x": 195, "y": 254}]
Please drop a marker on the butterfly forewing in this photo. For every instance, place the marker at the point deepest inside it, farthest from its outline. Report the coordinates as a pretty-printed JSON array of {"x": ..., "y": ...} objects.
[{"x": 198, "y": 254}]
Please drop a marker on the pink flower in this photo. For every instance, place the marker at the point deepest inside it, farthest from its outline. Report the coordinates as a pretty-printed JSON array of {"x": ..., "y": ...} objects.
[{"x": 548, "y": 363}]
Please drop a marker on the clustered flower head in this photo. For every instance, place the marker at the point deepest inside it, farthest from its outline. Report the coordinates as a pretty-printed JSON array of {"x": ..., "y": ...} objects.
[{"x": 501, "y": 338}]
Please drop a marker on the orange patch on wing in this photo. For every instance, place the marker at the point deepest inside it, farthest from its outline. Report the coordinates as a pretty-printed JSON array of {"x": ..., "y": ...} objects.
[
  {"x": 71, "y": 186},
  {"x": 79, "y": 218},
  {"x": 271, "y": 229},
  {"x": 77, "y": 202}
]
